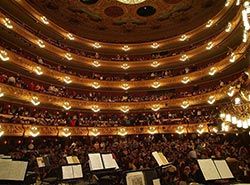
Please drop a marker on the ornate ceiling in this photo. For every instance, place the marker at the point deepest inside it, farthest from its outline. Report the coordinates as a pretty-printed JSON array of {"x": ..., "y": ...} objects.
[{"x": 113, "y": 21}]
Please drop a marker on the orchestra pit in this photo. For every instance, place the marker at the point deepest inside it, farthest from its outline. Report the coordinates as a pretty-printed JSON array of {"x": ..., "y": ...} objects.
[{"x": 125, "y": 92}]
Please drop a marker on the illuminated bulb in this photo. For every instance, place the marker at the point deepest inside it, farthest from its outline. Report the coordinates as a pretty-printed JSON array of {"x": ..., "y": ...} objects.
[
  {"x": 232, "y": 58},
  {"x": 184, "y": 57},
  {"x": 125, "y": 48},
  {"x": 180, "y": 130},
  {"x": 215, "y": 130},
  {"x": 239, "y": 123},
  {"x": 248, "y": 121},
  {"x": 237, "y": 101},
  {"x": 209, "y": 23},
  {"x": 7, "y": 23},
  {"x": 70, "y": 36},
  {"x": 1, "y": 131},
  {"x": 237, "y": 2},
  {"x": 95, "y": 108},
  {"x": 152, "y": 130},
  {"x": 228, "y": 118},
  {"x": 183, "y": 37},
  {"x": 222, "y": 115},
  {"x": 68, "y": 56},
  {"x": 231, "y": 91},
  {"x": 44, "y": 20},
  {"x": 125, "y": 66},
  {"x": 95, "y": 132},
  {"x": 212, "y": 71},
  {"x": 122, "y": 132},
  {"x": 155, "y": 107},
  {"x": 66, "y": 132},
  {"x": 229, "y": 27},
  {"x": 185, "y": 80},
  {"x": 200, "y": 129},
  {"x": 35, "y": 101},
  {"x": 66, "y": 105},
  {"x": 211, "y": 100},
  {"x": 185, "y": 104},
  {"x": 245, "y": 36},
  {"x": 125, "y": 109},
  {"x": 97, "y": 45},
  {"x": 38, "y": 70},
  {"x": 155, "y": 45},
  {"x": 234, "y": 120},
  {"x": 4, "y": 55},
  {"x": 224, "y": 127},
  {"x": 41, "y": 43},
  {"x": 156, "y": 84},
  {"x": 96, "y": 63},
  {"x": 67, "y": 80},
  {"x": 245, "y": 125},
  {"x": 96, "y": 85},
  {"x": 125, "y": 86},
  {"x": 155, "y": 64},
  {"x": 209, "y": 45},
  {"x": 227, "y": 3},
  {"x": 34, "y": 131},
  {"x": 1, "y": 93}
]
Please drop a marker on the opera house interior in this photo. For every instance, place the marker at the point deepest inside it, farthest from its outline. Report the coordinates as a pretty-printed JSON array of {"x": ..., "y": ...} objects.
[{"x": 124, "y": 92}]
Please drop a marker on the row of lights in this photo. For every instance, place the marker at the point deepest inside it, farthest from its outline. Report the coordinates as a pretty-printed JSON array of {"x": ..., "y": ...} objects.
[{"x": 181, "y": 129}]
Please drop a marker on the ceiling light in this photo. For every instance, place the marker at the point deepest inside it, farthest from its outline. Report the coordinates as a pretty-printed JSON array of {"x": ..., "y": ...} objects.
[
  {"x": 155, "y": 107},
  {"x": 66, "y": 132},
  {"x": 41, "y": 43},
  {"x": 211, "y": 100},
  {"x": 231, "y": 91},
  {"x": 212, "y": 71},
  {"x": 155, "y": 45},
  {"x": 34, "y": 131},
  {"x": 183, "y": 37},
  {"x": 125, "y": 48},
  {"x": 97, "y": 45},
  {"x": 96, "y": 85},
  {"x": 70, "y": 36},
  {"x": 184, "y": 57},
  {"x": 66, "y": 105},
  {"x": 95, "y": 132},
  {"x": 124, "y": 109},
  {"x": 156, "y": 84},
  {"x": 228, "y": 28},
  {"x": 200, "y": 129},
  {"x": 125, "y": 66},
  {"x": 152, "y": 130},
  {"x": 67, "y": 80},
  {"x": 209, "y": 45},
  {"x": 96, "y": 63},
  {"x": 4, "y": 55},
  {"x": 232, "y": 57},
  {"x": 122, "y": 132},
  {"x": 44, "y": 20},
  {"x": 180, "y": 130},
  {"x": 125, "y": 86},
  {"x": 68, "y": 56},
  {"x": 131, "y": 1},
  {"x": 209, "y": 23},
  {"x": 185, "y": 104},
  {"x": 95, "y": 108},
  {"x": 245, "y": 36},
  {"x": 7, "y": 23},
  {"x": 38, "y": 70},
  {"x": 155, "y": 64},
  {"x": 35, "y": 101},
  {"x": 237, "y": 101},
  {"x": 185, "y": 80}
]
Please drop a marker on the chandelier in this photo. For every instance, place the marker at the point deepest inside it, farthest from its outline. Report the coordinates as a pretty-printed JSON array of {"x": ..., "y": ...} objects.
[
  {"x": 237, "y": 112},
  {"x": 131, "y": 1}
]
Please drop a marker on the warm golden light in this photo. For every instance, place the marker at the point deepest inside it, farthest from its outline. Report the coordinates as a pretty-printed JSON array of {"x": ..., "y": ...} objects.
[
  {"x": 231, "y": 91},
  {"x": 227, "y": 3},
  {"x": 35, "y": 101},
  {"x": 95, "y": 108},
  {"x": 122, "y": 132},
  {"x": 131, "y": 2},
  {"x": 125, "y": 86},
  {"x": 68, "y": 56},
  {"x": 66, "y": 132},
  {"x": 155, "y": 107},
  {"x": 212, "y": 71},
  {"x": 7, "y": 23},
  {"x": 232, "y": 57},
  {"x": 183, "y": 37},
  {"x": 209, "y": 45},
  {"x": 67, "y": 80},
  {"x": 209, "y": 23},
  {"x": 44, "y": 20},
  {"x": 125, "y": 66},
  {"x": 180, "y": 130},
  {"x": 66, "y": 105},
  {"x": 38, "y": 70},
  {"x": 124, "y": 109},
  {"x": 41, "y": 43},
  {"x": 185, "y": 80},
  {"x": 4, "y": 55},
  {"x": 185, "y": 104},
  {"x": 94, "y": 132},
  {"x": 96, "y": 85},
  {"x": 96, "y": 63},
  {"x": 211, "y": 100},
  {"x": 34, "y": 132},
  {"x": 155, "y": 45},
  {"x": 1, "y": 93},
  {"x": 70, "y": 36},
  {"x": 200, "y": 129},
  {"x": 155, "y": 64},
  {"x": 1, "y": 131},
  {"x": 125, "y": 48},
  {"x": 152, "y": 130},
  {"x": 184, "y": 57},
  {"x": 228, "y": 28},
  {"x": 156, "y": 84},
  {"x": 97, "y": 45}
]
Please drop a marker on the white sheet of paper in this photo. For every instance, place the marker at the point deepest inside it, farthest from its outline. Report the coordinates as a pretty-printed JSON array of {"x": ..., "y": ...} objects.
[
  {"x": 135, "y": 178},
  {"x": 156, "y": 182},
  {"x": 67, "y": 172},
  {"x": 13, "y": 170},
  {"x": 95, "y": 161},
  {"x": 109, "y": 161},
  {"x": 223, "y": 169},
  {"x": 77, "y": 170},
  {"x": 158, "y": 158},
  {"x": 208, "y": 169}
]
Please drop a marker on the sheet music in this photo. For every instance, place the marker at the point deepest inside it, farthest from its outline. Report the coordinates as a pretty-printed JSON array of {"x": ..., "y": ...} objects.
[
  {"x": 156, "y": 182},
  {"x": 135, "y": 178},
  {"x": 209, "y": 169},
  {"x": 67, "y": 172},
  {"x": 223, "y": 169},
  {"x": 163, "y": 158},
  {"x": 95, "y": 161},
  {"x": 77, "y": 169},
  {"x": 109, "y": 161},
  {"x": 75, "y": 159},
  {"x": 160, "y": 158},
  {"x": 13, "y": 170},
  {"x": 40, "y": 162}
]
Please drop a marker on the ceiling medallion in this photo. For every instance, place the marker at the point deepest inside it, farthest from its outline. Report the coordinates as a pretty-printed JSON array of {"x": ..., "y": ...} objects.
[{"x": 131, "y": 1}]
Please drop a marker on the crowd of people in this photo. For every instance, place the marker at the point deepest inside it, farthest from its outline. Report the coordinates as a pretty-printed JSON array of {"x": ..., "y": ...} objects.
[
  {"x": 20, "y": 81},
  {"x": 16, "y": 113},
  {"x": 135, "y": 153}
]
